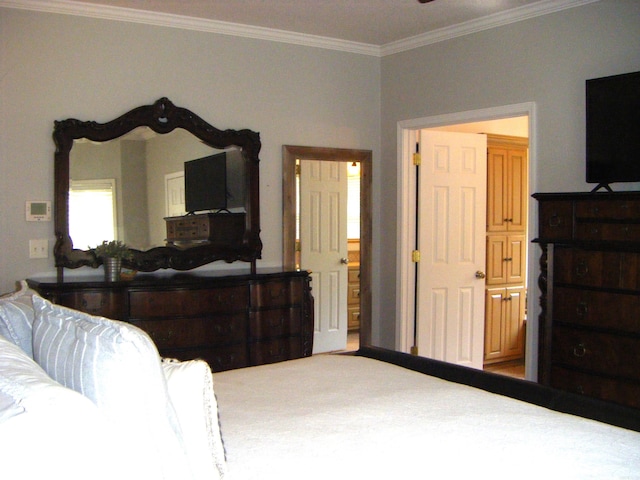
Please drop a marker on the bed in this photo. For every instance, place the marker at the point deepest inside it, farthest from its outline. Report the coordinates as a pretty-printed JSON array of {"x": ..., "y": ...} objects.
[{"x": 382, "y": 414}]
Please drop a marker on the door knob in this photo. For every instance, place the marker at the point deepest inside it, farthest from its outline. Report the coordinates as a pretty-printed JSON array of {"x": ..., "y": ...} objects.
[
  {"x": 480, "y": 274},
  {"x": 344, "y": 261}
]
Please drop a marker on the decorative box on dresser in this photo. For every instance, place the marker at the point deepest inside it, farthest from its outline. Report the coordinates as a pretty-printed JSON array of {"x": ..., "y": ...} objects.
[
  {"x": 589, "y": 338},
  {"x": 229, "y": 320}
]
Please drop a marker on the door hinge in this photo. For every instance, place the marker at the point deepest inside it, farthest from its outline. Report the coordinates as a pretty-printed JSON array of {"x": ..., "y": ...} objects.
[
  {"x": 298, "y": 170},
  {"x": 415, "y": 256},
  {"x": 417, "y": 159}
]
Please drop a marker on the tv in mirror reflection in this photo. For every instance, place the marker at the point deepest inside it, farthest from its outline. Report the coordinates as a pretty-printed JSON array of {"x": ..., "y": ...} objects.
[{"x": 215, "y": 183}]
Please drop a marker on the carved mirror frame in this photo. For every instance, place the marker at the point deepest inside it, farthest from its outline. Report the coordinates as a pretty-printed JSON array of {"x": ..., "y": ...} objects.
[{"x": 161, "y": 117}]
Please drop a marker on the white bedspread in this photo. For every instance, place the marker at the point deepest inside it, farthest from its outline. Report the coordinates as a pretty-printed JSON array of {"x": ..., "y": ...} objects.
[{"x": 334, "y": 417}]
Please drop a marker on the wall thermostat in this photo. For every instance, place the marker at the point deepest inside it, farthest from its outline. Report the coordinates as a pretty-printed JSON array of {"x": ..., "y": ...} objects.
[{"x": 38, "y": 211}]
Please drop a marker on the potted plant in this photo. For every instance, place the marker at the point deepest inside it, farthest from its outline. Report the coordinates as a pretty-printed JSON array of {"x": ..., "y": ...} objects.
[{"x": 112, "y": 253}]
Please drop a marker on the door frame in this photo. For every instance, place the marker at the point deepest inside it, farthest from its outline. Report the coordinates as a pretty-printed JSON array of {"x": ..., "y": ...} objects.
[
  {"x": 290, "y": 153},
  {"x": 406, "y": 226}
]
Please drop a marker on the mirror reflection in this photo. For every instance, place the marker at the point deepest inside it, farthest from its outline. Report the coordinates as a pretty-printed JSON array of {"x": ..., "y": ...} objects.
[{"x": 129, "y": 188}]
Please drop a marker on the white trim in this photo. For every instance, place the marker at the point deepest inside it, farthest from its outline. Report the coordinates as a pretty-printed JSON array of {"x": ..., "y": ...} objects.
[
  {"x": 107, "y": 12},
  {"x": 525, "y": 12},
  {"x": 406, "y": 224}
]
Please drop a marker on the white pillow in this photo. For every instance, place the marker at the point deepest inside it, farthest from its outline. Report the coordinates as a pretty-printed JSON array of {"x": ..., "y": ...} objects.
[
  {"x": 191, "y": 391},
  {"x": 49, "y": 431},
  {"x": 16, "y": 317},
  {"x": 117, "y": 366}
]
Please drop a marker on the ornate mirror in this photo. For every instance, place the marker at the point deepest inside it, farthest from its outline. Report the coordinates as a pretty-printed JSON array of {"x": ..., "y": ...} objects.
[{"x": 178, "y": 191}]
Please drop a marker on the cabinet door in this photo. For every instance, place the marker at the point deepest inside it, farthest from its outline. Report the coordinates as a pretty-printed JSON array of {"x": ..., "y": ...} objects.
[
  {"x": 506, "y": 259},
  {"x": 516, "y": 259},
  {"x": 494, "y": 314},
  {"x": 506, "y": 189},
  {"x": 504, "y": 324}
]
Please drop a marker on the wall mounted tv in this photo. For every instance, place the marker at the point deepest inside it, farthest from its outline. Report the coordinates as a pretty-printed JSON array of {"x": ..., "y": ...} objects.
[
  {"x": 613, "y": 129},
  {"x": 215, "y": 183}
]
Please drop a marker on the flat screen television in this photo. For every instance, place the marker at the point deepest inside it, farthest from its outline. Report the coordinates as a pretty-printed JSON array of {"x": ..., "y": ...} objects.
[
  {"x": 214, "y": 183},
  {"x": 613, "y": 129}
]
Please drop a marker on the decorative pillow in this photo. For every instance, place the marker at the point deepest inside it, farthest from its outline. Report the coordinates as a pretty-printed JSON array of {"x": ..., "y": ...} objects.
[
  {"x": 47, "y": 430},
  {"x": 16, "y": 317},
  {"x": 117, "y": 366},
  {"x": 190, "y": 386}
]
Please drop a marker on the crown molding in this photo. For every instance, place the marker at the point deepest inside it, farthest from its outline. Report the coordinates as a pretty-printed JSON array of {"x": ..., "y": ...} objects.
[
  {"x": 106, "y": 12},
  {"x": 526, "y": 12}
]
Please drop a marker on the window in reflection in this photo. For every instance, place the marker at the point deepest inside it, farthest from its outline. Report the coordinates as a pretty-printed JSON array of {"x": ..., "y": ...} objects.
[{"x": 92, "y": 212}]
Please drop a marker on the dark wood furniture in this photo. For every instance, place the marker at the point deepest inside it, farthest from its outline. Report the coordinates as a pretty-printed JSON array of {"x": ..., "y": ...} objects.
[
  {"x": 229, "y": 320},
  {"x": 590, "y": 283}
]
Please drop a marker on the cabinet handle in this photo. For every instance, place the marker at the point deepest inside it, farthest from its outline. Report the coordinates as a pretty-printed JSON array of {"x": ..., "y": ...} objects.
[
  {"x": 508, "y": 259},
  {"x": 582, "y": 309},
  {"x": 579, "y": 350}
]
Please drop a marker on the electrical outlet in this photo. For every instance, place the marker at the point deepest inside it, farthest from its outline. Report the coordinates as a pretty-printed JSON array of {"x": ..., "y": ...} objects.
[{"x": 39, "y": 248}]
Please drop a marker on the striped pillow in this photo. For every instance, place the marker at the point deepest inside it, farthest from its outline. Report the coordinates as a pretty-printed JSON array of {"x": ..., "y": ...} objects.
[
  {"x": 117, "y": 366},
  {"x": 16, "y": 317}
]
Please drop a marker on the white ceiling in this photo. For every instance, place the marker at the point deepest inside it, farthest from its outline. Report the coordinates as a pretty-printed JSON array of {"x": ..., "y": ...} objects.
[{"x": 373, "y": 24}]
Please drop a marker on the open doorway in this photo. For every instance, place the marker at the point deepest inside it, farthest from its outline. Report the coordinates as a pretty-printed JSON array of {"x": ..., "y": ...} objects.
[
  {"x": 472, "y": 122},
  {"x": 292, "y": 155}
]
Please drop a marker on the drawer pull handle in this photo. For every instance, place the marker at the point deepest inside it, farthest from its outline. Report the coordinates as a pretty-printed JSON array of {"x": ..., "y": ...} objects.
[
  {"x": 579, "y": 350},
  {"x": 508, "y": 259},
  {"x": 554, "y": 220},
  {"x": 582, "y": 309},
  {"x": 582, "y": 269}
]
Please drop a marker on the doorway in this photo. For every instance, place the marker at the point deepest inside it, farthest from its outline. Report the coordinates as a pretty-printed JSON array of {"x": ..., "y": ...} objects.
[
  {"x": 291, "y": 154},
  {"x": 408, "y": 132}
]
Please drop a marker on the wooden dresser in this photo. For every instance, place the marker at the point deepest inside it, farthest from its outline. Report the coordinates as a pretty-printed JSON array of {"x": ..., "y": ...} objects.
[
  {"x": 231, "y": 321},
  {"x": 590, "y": 282}
]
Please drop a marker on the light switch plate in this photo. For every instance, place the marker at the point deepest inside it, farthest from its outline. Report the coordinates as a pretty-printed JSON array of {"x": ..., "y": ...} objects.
[{"x": 39, "y": 248}]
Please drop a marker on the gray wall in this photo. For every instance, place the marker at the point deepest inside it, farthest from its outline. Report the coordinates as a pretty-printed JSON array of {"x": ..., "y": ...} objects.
[
  {"x": 543, "y": 60},
  {"x": 56, "y": 66}
]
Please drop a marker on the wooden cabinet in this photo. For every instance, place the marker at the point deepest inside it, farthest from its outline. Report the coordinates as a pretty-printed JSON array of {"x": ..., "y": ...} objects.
[
  {"x": 504, "y": 335},
  {"x": 506, "y": 248},
  {"x": 353, "y": 298},
  {"x": 231, "y": 321},
  {"x": 590, "y": 321}
]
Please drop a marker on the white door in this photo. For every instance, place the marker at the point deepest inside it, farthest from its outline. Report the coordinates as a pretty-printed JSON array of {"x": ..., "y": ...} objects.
[
  {"x": 174, "y": 194},
  {"x": 451, "y": 240},
  {"x": 323, "y": 248}
]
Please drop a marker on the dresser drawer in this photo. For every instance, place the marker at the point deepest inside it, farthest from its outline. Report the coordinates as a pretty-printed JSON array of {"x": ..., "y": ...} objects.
[
  {"x": 191, "y": 332},
  {"x": 556, "y": 220},
  {"x": 619, "y": 391},
  {"x": 618, "y": 232},
  {"x": 159, "y": 303},
  {"x": 595, "y": 268},
  {"x": 617, "y": 311},
  {"x": 609, "y": 210},
  {"x": 276, "y": 350},
  {"x": 599, "y": 353},
  {"x": 110, "y": 304},
  {"x": 277, "y": 293},
  {"x": 275, "y": 323},
  {"x": 219, "y": 358}
]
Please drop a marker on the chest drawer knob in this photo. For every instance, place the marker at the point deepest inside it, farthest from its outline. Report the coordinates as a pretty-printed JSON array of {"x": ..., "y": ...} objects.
[
  {"x": 579, "y": 350},
  {"x": 554, "y": 220},
  {"x": 582, "y": 309},
  {"x": 582, "y": 269}
]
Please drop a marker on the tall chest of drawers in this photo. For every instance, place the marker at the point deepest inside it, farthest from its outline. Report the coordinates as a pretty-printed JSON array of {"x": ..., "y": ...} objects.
[
  {"x": 590, "y": 280},
  {"x": 231, "y": 321}
]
